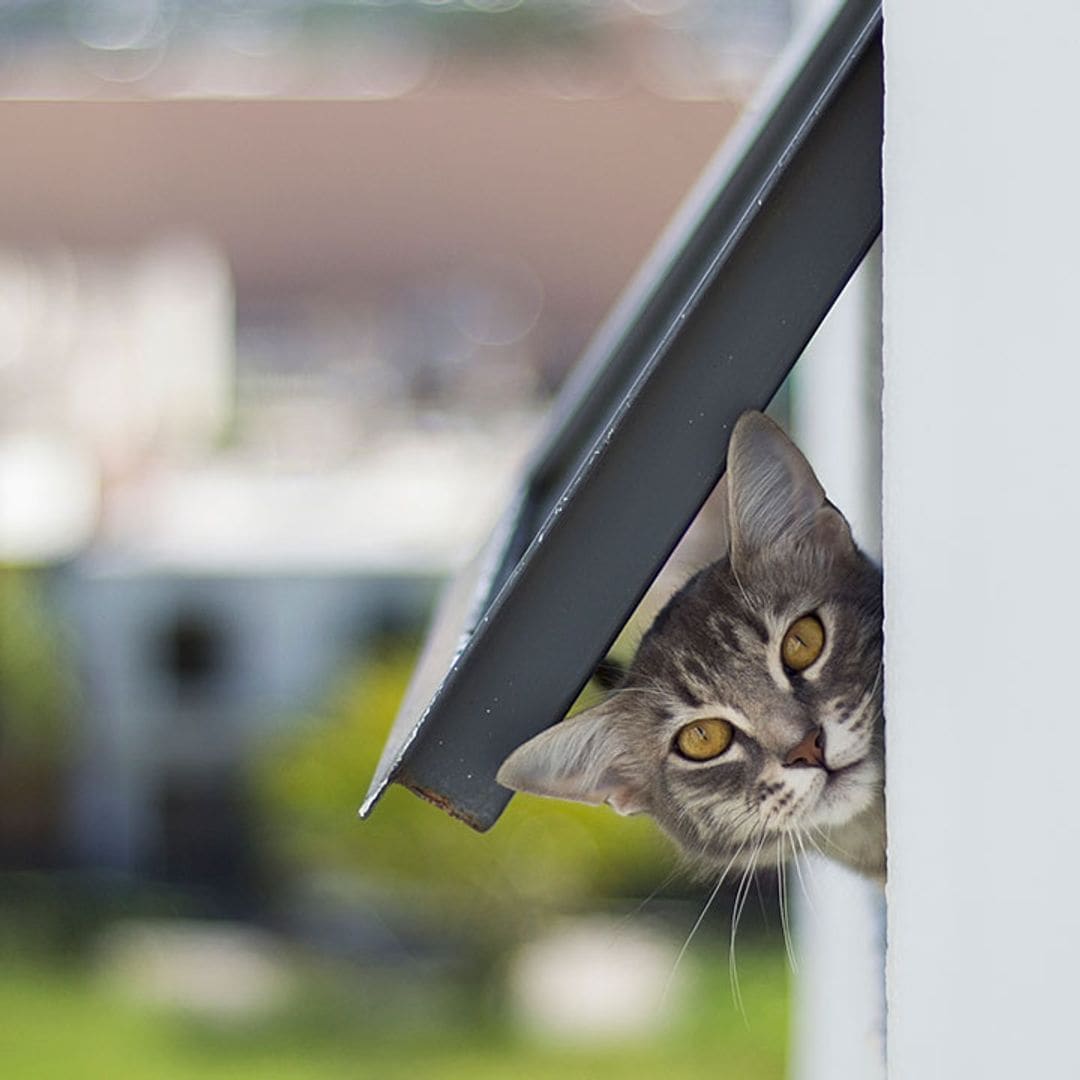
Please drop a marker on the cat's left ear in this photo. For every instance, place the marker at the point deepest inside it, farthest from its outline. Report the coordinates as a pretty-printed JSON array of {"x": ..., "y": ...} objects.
[
  {"x": 775, "y": 501},
  {"x": 580, "y": 759}
]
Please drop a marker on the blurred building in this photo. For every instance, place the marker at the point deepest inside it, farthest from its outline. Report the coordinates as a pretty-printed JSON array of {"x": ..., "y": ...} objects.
[
  {"x": 183, "y": 673},
  {"x": 268, "y": 364}
]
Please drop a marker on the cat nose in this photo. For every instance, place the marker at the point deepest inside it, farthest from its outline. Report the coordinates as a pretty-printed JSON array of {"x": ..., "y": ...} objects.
[{"x": 809, "y": 752}]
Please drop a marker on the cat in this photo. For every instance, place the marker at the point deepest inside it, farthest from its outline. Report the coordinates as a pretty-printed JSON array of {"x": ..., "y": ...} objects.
[{"x": 750, "y": 722}]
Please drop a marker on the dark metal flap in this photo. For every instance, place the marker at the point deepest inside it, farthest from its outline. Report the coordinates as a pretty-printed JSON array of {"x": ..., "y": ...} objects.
[{"x": 638, "y": 438}]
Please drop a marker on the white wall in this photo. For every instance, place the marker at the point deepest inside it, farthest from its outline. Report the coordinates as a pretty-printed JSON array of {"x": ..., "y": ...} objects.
[{"x": 982, "y": 516}]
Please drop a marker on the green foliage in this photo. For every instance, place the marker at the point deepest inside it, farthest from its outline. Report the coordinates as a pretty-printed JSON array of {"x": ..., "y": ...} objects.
[
  {"x": 36, "y": 686},
  {"x": 540, "y": 854}
]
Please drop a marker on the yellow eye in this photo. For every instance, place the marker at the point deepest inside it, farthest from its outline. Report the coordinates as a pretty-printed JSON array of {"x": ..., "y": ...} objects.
[
  {"x": 704, "y": 739},
  {"x": 803, "y": 643}
]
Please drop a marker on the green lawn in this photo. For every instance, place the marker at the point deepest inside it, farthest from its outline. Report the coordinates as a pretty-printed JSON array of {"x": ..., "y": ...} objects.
[{"x": 69, "y": 1026}]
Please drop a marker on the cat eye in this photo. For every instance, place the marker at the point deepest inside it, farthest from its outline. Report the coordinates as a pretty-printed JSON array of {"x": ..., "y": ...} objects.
[
  {"x": 704, "y": 739},
  {"x": 802, "y": 643}
]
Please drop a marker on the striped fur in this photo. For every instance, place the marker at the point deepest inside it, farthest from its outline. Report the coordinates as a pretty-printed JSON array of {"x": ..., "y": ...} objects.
[{"x": 714, "y": 651}]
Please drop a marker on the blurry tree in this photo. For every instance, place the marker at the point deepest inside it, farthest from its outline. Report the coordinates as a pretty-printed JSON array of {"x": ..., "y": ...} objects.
[
  {"x": 37, "y": 692},
  {"x": 541, "y": 854},
  {"x": 36, "y": 685}
]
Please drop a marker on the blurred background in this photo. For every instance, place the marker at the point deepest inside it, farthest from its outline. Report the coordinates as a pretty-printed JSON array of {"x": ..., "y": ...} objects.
[{"x": 285, "y": 288}]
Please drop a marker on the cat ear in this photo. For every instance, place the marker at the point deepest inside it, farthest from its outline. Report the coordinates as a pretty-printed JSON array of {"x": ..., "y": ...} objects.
[
  {"x": 718, "y": 507},
  {"x": 578, "y": 759},
  {"x": 774, "y": 498}
]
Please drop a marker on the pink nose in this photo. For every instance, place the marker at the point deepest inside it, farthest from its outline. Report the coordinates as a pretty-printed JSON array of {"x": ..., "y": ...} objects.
[{"x": 811, "y": 751}]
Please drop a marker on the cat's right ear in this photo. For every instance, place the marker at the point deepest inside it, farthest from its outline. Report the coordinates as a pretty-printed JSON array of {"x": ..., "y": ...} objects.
[
  {"x": 579, "y": 759},
  {"x": 775, "y": 502}
]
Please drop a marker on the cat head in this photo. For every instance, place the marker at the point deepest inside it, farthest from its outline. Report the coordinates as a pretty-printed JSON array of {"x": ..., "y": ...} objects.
[{"x": 751, "y": 713}]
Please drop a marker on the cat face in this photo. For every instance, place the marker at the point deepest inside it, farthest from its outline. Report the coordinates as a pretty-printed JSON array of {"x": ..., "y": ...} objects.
[{"x": 750, "y": 719}]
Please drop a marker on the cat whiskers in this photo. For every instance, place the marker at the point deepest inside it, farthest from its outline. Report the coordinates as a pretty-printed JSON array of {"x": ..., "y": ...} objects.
[
  {"x": 741, "y": 894},
  {"x": 816, "y": 846},
  {"x": 624, "y": 921},
  {"x": 832, "y": 843},
  {"x": 737, "y": 830},
  {"x": 748, "y": 825},
  {"x": 781, "y": 891},
  {"x": 797, "y": 838},
  {"x": 700, "y": 919}
]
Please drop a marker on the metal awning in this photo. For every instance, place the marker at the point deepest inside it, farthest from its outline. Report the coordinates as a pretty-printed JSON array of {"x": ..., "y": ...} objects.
[{"x": 638, "y": 437}]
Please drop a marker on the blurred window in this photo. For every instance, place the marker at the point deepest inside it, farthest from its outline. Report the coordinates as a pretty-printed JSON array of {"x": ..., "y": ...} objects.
[{"x": 193, "y": 653}]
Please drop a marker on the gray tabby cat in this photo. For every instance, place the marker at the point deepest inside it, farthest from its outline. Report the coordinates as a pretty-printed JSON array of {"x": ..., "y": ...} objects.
[{"x": 750, "y": 721}]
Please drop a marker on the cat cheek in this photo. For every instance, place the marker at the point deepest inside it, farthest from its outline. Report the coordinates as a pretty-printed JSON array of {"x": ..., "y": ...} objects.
[
  {"x": 846, "y": 746},
  {"x": 626, "y": 802}
]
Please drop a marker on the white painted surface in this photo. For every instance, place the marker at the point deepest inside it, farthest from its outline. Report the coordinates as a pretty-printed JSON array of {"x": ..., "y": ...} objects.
[
  {"x": 836, "y": 420},
  {"x": 839, "y": 989},
  {"x": 982, "y": 513}
]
